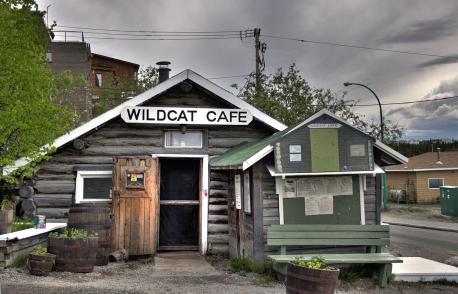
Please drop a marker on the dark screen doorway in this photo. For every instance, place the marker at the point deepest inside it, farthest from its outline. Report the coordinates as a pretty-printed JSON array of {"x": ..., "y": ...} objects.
[{"x": 179, "y": 204}]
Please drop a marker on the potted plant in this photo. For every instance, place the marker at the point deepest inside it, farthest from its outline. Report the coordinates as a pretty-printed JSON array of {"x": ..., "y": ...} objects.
[
  {"x": 311, "y": 276},
  {"x": 40, "y": 262},
  {"x": 6, "y": 215},
  {"x": 75, "y": 250}
]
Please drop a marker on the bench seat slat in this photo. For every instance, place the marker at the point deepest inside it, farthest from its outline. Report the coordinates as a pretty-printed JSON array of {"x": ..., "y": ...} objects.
[
  {"x": 376, "y": 258},
  {"x": 327, "y": 235},
  {"x": 329, "y": 228},
  {"x": 331, "y": 242}
]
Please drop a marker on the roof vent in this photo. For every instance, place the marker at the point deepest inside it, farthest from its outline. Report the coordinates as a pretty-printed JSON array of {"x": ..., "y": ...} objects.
[
  {"x": 164, "y": 70},
  {"x": 438, "y": 156}
]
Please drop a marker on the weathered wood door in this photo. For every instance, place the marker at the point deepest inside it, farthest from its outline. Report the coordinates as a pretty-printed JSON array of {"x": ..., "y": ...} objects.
[{"x": 135, "y": 204}]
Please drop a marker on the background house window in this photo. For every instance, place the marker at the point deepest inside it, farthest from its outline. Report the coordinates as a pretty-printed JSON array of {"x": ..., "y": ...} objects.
[
  {"x": 93, "y": 186},
  {"x": 188, "y": 139},
  {"x": 435, "y": 183},
  {"x": 295, "y": 153},
  {"x": 246, "y": 192},
  {"x": 98, "y": 80}
]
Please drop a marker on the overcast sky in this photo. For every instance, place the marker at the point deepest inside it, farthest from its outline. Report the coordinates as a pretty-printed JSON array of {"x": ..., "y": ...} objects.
[{"x": 406, "y": 25}]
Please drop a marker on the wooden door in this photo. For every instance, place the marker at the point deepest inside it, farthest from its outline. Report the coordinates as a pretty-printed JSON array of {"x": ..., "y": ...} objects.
[{"x": 135, "y": 204}]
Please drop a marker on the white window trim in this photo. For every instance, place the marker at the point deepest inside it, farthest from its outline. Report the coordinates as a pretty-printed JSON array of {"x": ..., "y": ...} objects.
[
  {"x": 79, "y": 188},
  {"x": 184, "y": 147},
  {"x": 443, "y": 183}
]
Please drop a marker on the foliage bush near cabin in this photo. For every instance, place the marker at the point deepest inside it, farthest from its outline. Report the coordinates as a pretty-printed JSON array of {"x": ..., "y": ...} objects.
[
  {"x": 7, "y": 204},
  {"x": 241, "y": 264},
  {"x": 72, "y": 233},
  {"x": 23, "y": 223}
]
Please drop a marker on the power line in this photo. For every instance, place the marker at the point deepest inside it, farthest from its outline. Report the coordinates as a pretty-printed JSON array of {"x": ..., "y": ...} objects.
[
  {"x": 156, "y": 39},
  {"x": 149, "y": 31},
  {"x": 150, "y": 35},
  {"x": 228, "y": 77},
  {"x": 354, "y": 46},
  {"x": 407, "y": 102}
]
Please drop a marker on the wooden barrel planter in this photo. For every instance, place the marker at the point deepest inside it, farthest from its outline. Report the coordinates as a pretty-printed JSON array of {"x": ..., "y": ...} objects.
[
  {"x": 41, "y": 264},
  {"x": 6, "y": 221},
  {"x": 74, "y": 255},
  {"x": 307, "y": 281},
  {"x": 96, "y": 219}
]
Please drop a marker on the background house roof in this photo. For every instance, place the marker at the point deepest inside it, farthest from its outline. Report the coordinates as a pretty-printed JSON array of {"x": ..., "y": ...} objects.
[{"x": 429, "y": 161}]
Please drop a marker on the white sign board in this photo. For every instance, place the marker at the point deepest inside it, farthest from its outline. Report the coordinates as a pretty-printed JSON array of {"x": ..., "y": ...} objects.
[
  {"x": 317, "y": 205},
  {"x": 317, "y": 186},
  {"x": 238, "y": 192},
  {"x": 186, "y": 116},
  {"x": 324, "y": 126}
]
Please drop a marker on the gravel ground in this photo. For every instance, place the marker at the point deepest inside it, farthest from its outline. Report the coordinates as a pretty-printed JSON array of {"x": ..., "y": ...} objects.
[{"x": 140, "y": 277}]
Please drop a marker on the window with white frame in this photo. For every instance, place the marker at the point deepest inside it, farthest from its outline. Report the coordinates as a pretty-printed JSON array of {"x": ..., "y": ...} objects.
[
  {"x": 98, "y": 80},
  {"x": 246, "y": 192},
  {"x": 179, "y": 139},
  {"x": 435, "y": 183},
  {"x": 295, "y": 153},
  {"x": 93, "y": 186}
]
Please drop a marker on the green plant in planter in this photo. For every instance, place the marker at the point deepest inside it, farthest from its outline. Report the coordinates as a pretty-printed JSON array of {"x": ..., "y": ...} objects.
[
  {"x": 7, "y": 204},
  {"x": 72, "y": 233},
  {"x": 40, "y": 250},
  {"x": 23, "y": 223},
  {"x": 316, "y": 262}
]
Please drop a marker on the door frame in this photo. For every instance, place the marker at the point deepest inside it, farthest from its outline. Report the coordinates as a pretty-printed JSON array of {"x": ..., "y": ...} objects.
[{"x": 203, "y": 195}]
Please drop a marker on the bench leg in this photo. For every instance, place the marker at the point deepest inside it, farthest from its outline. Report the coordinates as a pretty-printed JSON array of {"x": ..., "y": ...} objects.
[
  {"x": 280, "y": 269},
  {"x": 384, "y": 273}
]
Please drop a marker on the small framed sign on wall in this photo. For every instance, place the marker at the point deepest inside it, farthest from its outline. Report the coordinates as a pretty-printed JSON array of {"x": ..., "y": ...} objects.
[
  {"x": 238, "y": 192},
  {"x": 135, "y": 180}
]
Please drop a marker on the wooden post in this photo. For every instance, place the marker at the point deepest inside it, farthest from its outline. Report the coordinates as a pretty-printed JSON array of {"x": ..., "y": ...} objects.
[{"x": 258, "y": 227}]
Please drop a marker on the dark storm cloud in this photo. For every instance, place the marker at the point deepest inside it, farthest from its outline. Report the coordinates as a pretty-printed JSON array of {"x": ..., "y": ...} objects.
[
  {"x": 425, "y": 30},
  {"x": 440, "y": 61},
  {"x": 357, "y": 22},
  {"x": 429, "y": 119}
]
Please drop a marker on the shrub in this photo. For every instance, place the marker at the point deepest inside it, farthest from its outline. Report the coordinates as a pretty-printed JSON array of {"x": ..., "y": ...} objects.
[
  {"x": 316, "y": 262},
  {"x": 40, "y": 250},
  {"x": 72, "y": 233}
]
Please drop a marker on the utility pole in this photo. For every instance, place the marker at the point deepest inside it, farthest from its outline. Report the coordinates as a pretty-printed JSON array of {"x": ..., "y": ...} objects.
[{"x": 260, "y": 49}]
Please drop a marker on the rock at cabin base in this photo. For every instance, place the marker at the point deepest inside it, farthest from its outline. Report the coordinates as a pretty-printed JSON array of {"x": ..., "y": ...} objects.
[{"x": 119, "y": 255}]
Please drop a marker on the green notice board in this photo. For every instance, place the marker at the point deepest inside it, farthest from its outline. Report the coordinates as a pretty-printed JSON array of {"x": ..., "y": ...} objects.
[
  {"x": 347, "y": 210},
  {"x": 324, "y": 150}
]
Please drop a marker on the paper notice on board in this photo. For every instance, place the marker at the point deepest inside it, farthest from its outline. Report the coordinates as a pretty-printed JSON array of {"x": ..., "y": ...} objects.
[
  {"x": 317, "y": 205},
  {"x": 345, "y": 185},
  {"x": 238, "y": 192}
]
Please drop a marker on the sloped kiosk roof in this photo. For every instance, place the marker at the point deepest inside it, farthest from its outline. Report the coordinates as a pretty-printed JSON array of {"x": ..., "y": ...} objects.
[
  {"x": 245, "y": 155},
  {"x": 150, "y": 95}
]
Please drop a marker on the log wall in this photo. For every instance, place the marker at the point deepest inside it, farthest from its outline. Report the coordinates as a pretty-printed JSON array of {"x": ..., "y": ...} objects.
[{"x": 54, "y": 184}]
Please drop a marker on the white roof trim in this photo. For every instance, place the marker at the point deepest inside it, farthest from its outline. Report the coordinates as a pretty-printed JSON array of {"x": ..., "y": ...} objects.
[
  {"x": 150, "y": 94},
  {"x": 381, "y": 146},
  {"x": 258, "y": 156},
  {"x": 377, "y": 170},
  {"x": 421, "y": 169}
]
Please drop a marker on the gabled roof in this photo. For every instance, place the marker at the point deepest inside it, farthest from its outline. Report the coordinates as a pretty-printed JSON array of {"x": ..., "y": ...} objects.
[
  {"x": 150, "y": 95},
  {"x": 448, "y": 160},
  {"x": 245, "y": 155}
]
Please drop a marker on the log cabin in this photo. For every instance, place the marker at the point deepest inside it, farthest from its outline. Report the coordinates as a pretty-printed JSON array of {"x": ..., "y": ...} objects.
[{"x": 214, "y": 178}]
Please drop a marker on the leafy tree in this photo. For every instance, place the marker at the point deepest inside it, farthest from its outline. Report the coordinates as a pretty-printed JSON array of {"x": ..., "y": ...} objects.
[
  {"x": 29, "y": 116},
  {"x": 119, "y": 90},
  {"x": 288, "y": 97}
]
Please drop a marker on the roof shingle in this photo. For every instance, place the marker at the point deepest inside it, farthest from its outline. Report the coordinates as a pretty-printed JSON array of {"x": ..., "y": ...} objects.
[{"x": 448, "y": 159}]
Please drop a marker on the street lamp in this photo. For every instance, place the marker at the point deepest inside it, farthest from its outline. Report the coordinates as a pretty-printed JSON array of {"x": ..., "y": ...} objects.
[{"x": 346, "y": 84}]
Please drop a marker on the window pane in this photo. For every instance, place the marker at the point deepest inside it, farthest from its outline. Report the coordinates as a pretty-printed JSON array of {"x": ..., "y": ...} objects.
[
  {"x": 294, "y": 148},
  {"x": 97, "y": 188},
  {"x": 435, "y": 183},
  {"x": 246, "y": 192},
  {"x": 178, "y": 139},
  {"x": 295, "y": 157}
]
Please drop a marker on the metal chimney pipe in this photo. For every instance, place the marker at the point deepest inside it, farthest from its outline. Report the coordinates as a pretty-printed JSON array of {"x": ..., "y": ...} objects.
[
  {"x": 438, "y": 154},
  {"x": 164, "y": 70}
]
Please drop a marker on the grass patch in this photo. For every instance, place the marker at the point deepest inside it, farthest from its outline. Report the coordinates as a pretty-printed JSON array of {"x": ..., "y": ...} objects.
[
  {"x": 20, "y": 224},
  {"x": 265, "y": 281},
  {"x": 354, "y": 273},
  {"x": 19, "y": 262},
  {"x": 241, "y": 264}
]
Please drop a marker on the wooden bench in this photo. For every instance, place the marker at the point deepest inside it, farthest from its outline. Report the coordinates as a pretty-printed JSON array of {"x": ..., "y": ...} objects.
[{"x": 373, "y": 237}]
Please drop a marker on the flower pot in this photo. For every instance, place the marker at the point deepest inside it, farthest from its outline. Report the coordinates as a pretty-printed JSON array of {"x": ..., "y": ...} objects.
[
  {"x": 74, "y": 255},
  {"x": 306, "y": 280},
  {"x": 41, "y": 264},
  {"x": 6, "y": 221}
]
